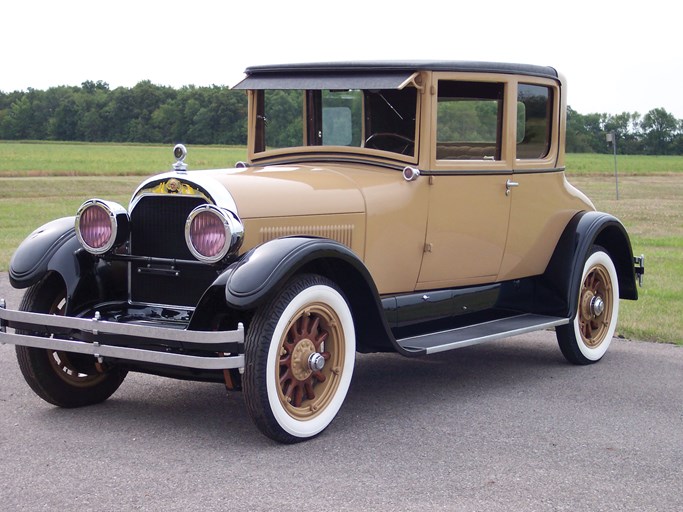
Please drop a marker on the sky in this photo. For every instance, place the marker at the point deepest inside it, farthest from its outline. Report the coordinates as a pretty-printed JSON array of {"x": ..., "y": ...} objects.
[{"x": 617, "y": 56}]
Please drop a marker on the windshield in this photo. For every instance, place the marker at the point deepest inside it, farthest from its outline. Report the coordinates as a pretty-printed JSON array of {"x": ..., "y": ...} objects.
[{"x": 382, "y": 119}]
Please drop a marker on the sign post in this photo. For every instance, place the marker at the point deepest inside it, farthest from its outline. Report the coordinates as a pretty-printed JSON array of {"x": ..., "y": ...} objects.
[{"x": 612, "y": 137}]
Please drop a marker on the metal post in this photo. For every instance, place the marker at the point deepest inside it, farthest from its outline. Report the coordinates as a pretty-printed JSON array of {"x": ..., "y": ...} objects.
[{"x": 612, "y": 137}]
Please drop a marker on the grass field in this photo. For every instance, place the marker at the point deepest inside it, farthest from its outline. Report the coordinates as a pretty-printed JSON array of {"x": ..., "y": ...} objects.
[
  {"x": 43, "y": 181},
  {"x": 627, "y": 165},
  {"x": 81, "y": 159}
]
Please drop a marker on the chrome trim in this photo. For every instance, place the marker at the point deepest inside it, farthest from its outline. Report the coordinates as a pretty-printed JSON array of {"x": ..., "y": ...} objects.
[
  {"x": 510, "y": 184},
  {"x": 554, "y": 322},
  {"x": 3, "y": 305},
  {"x": 316, "y": 362},
  {"x": 410, "y": 173},
  {"x": 597, "y": 306},
  {"x": 153, "y": 305},
  {"x": 234, "y": 232},
  {"x": 215, "y": 192},
  {"x": 98, "y": 350},
  {"x": 118, "y": 218},
  {"x": 180, "y": 152}
]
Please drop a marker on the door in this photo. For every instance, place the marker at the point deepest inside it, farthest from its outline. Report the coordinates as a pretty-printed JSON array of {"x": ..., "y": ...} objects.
[{"x": 469, "y": 208}]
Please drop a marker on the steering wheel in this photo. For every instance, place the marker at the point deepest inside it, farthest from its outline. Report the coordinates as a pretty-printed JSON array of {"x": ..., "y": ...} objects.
[{"x": 389, "y": 141}]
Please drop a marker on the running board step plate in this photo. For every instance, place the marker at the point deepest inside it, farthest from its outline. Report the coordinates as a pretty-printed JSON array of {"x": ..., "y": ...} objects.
[{"x": 479, "y": 333}]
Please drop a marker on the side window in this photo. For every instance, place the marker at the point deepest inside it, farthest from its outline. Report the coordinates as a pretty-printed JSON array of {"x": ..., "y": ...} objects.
[
  {"x": 469, "y": 120},
  {"x": 534, "y": 113},
  {"x": 342, "y": 118},
  {"x": 278, "y": 119}
]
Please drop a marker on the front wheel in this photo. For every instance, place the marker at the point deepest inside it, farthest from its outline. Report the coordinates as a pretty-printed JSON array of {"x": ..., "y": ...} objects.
[
  {"x": 62, "y": 378},
  {"x": 300, "y": 353},
  {"x": 586, "y": 339}
]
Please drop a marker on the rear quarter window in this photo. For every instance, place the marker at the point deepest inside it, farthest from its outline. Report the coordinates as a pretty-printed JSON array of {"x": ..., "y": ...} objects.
[{"x": 534, "y": 112}]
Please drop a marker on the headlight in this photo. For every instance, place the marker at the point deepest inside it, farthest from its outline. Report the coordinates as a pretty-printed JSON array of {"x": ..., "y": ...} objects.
[
  {"x": 101, "y": 225},
  {"x": 212, "y": 232}
]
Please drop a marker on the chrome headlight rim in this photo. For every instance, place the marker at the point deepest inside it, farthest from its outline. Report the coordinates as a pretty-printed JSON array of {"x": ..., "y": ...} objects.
[
  {"x": 232, "y": 228},
  {"x": 118, "y": 222}
]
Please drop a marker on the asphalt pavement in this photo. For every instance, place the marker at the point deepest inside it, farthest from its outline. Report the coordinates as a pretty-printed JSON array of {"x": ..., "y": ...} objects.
[{"x": 505, "y": 426}]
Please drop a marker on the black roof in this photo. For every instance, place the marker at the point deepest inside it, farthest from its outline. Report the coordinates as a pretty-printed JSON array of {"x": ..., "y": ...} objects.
[
  {"x": 370, "y": 74},
  {"x": 408, "y": 65}
]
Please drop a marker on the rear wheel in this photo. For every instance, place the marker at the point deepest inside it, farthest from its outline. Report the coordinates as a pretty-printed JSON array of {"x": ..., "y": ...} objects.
[
  {"x": 300, "y": 353},
  {"x": 62, "y": 378},
  {"x": 586, "y": 339}
]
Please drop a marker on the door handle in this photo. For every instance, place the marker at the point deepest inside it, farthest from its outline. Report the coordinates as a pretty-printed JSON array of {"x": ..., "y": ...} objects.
[{"x": 510, "y": 184}]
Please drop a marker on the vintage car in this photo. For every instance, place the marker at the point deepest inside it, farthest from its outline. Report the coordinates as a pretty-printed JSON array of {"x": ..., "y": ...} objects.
[{"x": 409, "y": 207}]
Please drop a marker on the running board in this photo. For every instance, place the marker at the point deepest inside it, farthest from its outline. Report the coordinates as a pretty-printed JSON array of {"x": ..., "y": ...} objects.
[{"x": 479, "y": 333}]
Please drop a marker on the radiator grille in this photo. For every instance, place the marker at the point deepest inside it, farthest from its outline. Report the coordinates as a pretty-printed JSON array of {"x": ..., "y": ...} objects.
[
  {"x": 158, "y": 230},
  {"x": 158, "y": 226}
]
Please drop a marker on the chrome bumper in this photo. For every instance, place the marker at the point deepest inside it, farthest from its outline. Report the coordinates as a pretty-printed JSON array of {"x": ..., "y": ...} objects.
[{"x": 218, "y": 360}]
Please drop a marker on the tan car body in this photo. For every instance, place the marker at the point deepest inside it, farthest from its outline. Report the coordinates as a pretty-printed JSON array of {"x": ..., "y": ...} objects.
[{"x": 456, "y": 225}]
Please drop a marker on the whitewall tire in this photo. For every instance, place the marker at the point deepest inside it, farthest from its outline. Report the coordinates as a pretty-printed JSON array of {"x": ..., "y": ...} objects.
[
  {"x": 300, "y": 354},
  {"x": 587, "y": 337}
]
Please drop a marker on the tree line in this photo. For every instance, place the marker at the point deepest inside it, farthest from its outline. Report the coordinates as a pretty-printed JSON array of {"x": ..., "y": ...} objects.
[
  {"x": 152, "y": 113},
  {"x": 657, "y": 132},
  {"x": 144, "y": 113}
]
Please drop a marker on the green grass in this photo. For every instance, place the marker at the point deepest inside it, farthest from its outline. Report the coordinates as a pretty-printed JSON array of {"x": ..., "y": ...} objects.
[
  {"x": 43, "y": 181},
  {"x": 580, "y": 164},
  {"x": 28, "y": 203},
  {"x": 81, "y": 159}
]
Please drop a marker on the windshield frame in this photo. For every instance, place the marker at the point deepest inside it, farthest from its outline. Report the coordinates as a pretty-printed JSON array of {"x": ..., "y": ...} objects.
[{"x": 311, "y": 122}]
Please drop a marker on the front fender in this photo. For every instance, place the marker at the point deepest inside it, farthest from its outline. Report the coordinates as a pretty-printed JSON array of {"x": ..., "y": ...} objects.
[
  {"x": 266, "y": 267},
  {"x": 54, "y": 247},
  {"x": 50, "y": 247},
  {"x": 247, "y": 283},
  {"x": 562, "y": 278}
]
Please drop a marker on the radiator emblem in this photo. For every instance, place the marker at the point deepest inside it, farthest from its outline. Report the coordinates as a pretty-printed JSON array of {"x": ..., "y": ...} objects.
[{"x": 173, "y": 185}]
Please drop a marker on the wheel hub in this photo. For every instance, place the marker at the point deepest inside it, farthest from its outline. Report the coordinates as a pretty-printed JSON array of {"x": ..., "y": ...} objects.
[
  {"x": 316, "y": 362},
  {"x": 597, "y": 305},
  {"x": 592, "y": 305},
  {"x": 302, "y": 354}
]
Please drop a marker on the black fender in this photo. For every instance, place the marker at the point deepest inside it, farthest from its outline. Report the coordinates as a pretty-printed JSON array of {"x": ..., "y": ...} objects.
[
  {"x": 266, "y": 267},
  {"x": 250, "y": 281},
  {"x": 561, "y": 281},
  {"x": 50, "y": 247},
  {"x": 54, "y": 247}
]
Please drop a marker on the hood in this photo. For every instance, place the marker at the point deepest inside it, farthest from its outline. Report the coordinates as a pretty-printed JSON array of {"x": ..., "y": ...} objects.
[{"x": 292, "y": 190}]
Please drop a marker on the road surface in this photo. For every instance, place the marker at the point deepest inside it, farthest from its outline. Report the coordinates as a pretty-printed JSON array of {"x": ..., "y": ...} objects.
[{"x": 507, "y": 426}]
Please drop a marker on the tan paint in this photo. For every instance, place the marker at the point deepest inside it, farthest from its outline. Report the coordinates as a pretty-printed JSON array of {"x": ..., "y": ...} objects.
[
  {"x": 374, "y": 211},
  {"x": 467, "y": 228},
  {"x": 396, "y": 223},
  {"x": 292, "y": 190},
  {"x": 542, "y": 205},
  {"x": 455, "y": 227},
  {"x": 347, "y": 229}
]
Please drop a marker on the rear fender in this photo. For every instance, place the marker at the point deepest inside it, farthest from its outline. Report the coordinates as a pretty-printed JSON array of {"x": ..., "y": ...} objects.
[{"x": 560, "y": 284}]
